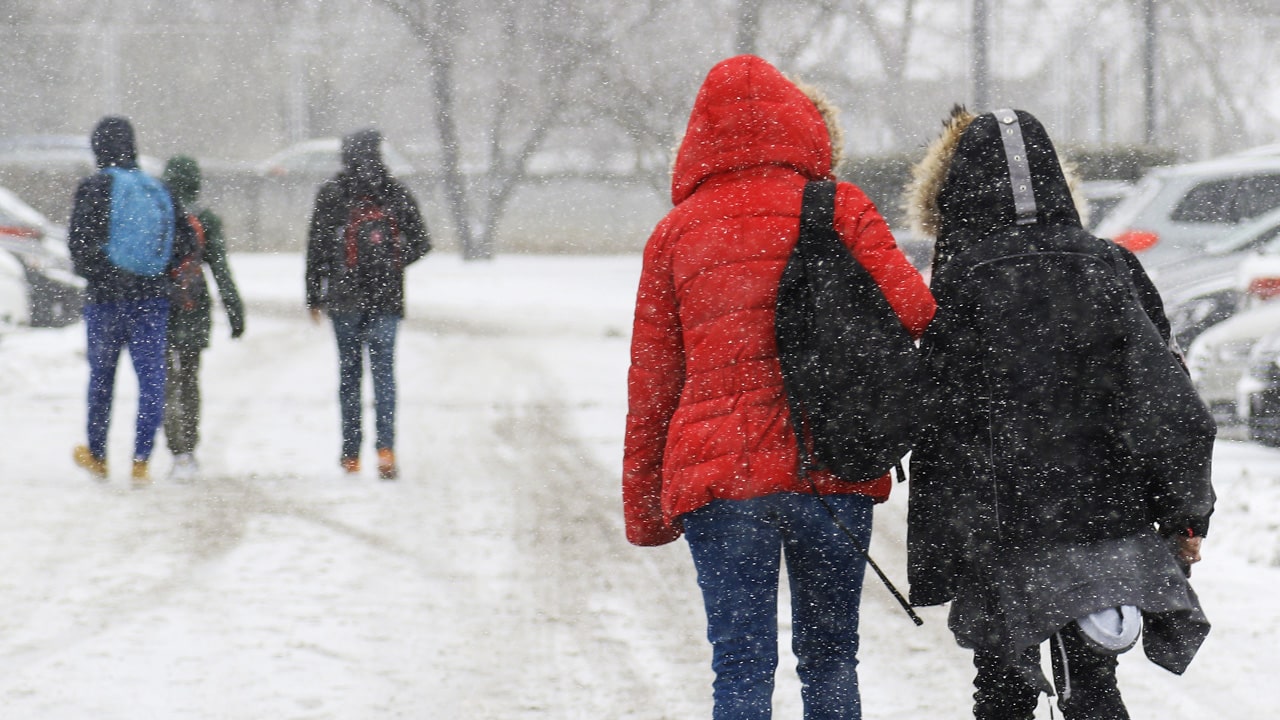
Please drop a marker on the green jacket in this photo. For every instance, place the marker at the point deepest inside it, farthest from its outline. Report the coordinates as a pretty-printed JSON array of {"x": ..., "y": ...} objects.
[{"x": 190, "y": 328}]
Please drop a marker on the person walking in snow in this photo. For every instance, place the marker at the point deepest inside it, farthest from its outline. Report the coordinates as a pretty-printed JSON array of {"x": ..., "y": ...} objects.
[
  {"x": 1060, "y": 480},
  {"x": 191, "y": 313},
  {"x": 364, "y": 231},
  {"x": 710, "y": 452},
  {"x": 126, "y": 234}
]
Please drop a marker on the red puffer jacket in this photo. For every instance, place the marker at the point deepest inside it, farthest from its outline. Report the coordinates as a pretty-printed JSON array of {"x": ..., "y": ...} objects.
[{"x": 707, "y": 416}]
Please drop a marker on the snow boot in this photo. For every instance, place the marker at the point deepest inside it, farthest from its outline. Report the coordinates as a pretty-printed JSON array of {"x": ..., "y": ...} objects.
[
  {"x": 350, "y": 465},
  {"x": 97, "y": 466},
  {"x": 387, "y": 469},
  {"x": 141, "y": 474},
  {"x": 185, "y": 469}
]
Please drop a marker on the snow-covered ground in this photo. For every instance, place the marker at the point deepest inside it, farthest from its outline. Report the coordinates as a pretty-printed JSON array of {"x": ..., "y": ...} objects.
[{"x": 493, "y": 580}]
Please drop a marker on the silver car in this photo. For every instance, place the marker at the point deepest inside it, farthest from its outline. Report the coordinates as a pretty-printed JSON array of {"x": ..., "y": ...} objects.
[
  {"x": 1176, "y": 212},
  {"x": 1201, "y": 291}
]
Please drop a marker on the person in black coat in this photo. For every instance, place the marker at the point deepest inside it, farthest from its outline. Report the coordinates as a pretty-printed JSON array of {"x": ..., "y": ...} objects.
[
  {"x": 354, "y": 210},
  {"x": 1060, "y": 477},
  {"x": 123, "y": 308}
]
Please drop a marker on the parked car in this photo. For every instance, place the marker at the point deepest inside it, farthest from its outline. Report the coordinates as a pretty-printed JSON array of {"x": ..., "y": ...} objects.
[
  {"x": 44, "y": 169},
  {"x": 1219, "y": 357},
  {"x": 1204, "y": 290},
  {"x": 52, "y": 293},
  {"x": 1102, "y": 197},
  {"x": 1258, "y": 391},
  {"x": 1175, "y": 212},
  {"x": 15, "y": 307}
]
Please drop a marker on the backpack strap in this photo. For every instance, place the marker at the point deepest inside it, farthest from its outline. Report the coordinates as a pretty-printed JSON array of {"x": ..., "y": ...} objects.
[
  {"x": 817, "y": 210},
  {"x": 198, "y": 227},
  {"x": 817, "y": 218}
]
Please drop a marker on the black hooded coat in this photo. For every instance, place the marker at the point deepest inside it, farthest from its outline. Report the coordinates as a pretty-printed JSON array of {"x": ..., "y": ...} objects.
[
  {"x": 113, "y": 146},
  {"x": 1060, "y": 437},
  {"x": 363, "y": 176}
]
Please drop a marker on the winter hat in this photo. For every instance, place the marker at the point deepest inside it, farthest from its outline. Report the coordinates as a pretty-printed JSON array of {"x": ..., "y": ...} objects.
[
  {"x": 182, "y": 175},
  {"x": 1111, "y": 631},
  {"x": 113, "y": 142}
]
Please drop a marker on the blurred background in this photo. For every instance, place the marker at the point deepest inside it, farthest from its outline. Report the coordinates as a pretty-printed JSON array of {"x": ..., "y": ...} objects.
[{"x": 546, "y": 125}]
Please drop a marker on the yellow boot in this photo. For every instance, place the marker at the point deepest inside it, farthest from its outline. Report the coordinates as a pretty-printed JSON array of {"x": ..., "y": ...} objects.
[
  {"x": 84, "y": 457},
  {"x": 141, "y": 476}
]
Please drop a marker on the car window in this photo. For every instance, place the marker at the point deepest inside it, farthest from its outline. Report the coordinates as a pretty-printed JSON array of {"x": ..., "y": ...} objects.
[
  {"x": 1208, "y": 202},
  {"x": 1258, "y": 194}
]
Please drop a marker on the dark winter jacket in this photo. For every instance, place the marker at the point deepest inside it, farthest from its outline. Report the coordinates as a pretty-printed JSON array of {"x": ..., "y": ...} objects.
[
  {"x": 189, "y": 327},
  {"x": 330, "y": 285},
  {"x": 113, "y": 145},
  {"x": 708, "y": 415},
  {"x": 1059, "y": 430}
]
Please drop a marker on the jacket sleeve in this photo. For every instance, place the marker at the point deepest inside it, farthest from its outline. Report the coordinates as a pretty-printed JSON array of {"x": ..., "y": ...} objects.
[
  {"x": 1168, "y": 428},
  {"x": 321, "y": 237},
  {"x": 867, "y": 235},
  {"x": 87, "y": 231},
  {"x": 215, "y": 254},
  {"x": 1149, "y": 298},
  {"x": 654, "y": 383},
  {"x": 409, "y": 219}
]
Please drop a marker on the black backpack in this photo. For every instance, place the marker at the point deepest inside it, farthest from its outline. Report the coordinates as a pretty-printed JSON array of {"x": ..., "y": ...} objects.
[
  {"x": 848, "y": 364},
  {"x": 371, "y": 242}
]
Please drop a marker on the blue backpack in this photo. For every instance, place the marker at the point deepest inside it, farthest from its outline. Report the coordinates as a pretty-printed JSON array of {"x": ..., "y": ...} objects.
[{"x": 141, "y": 230}]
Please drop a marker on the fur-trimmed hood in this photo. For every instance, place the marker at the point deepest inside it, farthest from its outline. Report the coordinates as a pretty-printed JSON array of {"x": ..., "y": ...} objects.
[{"x": 963, "y": 180}]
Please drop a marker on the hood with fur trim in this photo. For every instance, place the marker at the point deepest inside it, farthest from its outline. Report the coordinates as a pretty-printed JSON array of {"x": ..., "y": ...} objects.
[
  {"x": 747, "y": 114},
  {"x": 962, "y": 183}
]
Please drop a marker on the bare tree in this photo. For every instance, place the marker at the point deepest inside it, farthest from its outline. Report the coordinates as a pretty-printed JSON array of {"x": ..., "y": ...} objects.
[{"x": 521, "y": 83}]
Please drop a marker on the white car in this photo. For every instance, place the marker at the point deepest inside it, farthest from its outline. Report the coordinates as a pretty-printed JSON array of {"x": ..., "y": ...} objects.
[
  {"x": 1220, "y": 356},
  {"x": 52, "y": 293},
  {"x": 1176, "y": 212},
  {"x": 15, "y": 309},
  {"x": 1204, "y": 290}
]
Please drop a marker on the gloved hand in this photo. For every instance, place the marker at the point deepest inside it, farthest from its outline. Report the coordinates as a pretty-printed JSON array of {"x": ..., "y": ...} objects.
[{"x": 236, "y": 319}]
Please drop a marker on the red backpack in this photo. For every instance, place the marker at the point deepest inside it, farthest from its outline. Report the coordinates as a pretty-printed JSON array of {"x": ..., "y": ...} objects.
[
  {"x": 188, "y": 276},
  {"x": 371, "y": 241}
]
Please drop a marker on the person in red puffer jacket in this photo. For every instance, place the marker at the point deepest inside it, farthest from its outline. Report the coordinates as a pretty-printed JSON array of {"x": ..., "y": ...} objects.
[{"x": 709, "y": 449}]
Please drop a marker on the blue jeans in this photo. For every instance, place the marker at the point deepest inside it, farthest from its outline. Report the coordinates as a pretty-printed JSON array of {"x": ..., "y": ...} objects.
[
  {"x": 355, "y": 332},
  {"x": 110, "y": 327},
  {"x": 737, "y": 547}
]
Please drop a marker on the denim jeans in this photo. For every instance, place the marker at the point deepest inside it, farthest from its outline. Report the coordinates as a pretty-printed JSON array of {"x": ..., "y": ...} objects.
[
  {"x": 355, "y": 332},
  {"x": 139, "y": 325},
  {"x": 737, "y": 547}
]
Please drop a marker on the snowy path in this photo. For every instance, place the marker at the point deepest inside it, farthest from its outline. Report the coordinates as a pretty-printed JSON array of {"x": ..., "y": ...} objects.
[{"x": 491, "y": 582}]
